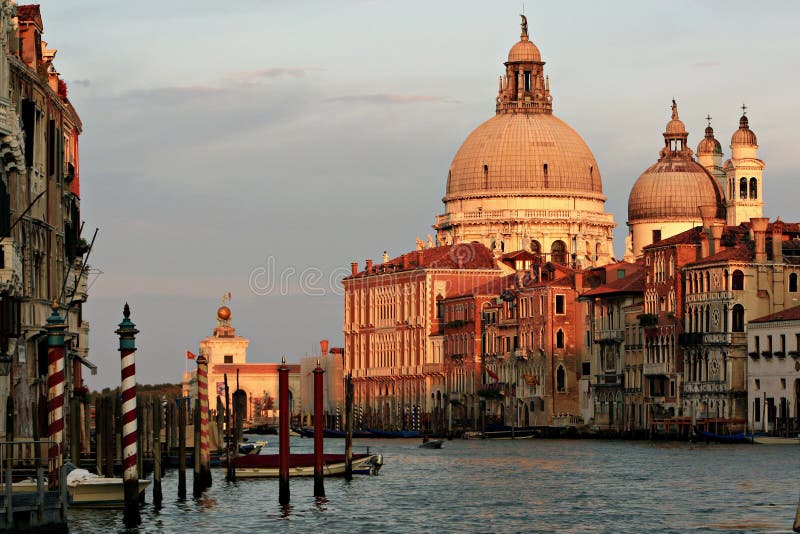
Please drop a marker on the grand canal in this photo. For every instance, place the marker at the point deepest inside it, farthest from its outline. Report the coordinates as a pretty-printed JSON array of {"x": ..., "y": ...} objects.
[{"x": 502, "y": 486}]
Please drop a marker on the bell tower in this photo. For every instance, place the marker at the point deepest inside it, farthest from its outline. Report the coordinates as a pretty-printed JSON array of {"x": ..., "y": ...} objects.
[{"x": 744, "y": 191}]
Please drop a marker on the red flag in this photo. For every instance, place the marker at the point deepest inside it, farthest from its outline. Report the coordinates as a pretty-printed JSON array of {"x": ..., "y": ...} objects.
[
  {"x": 190, "y": 355},
  {"x": 493, "y": 374}
]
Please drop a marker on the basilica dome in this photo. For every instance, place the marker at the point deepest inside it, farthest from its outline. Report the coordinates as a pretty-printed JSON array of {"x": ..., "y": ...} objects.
[
  {"x": 744, "y": 135},
  {"x": 523, "y": 154},
  {"x": 524, "y": 50},
  {"x": 674, "y": 186}
]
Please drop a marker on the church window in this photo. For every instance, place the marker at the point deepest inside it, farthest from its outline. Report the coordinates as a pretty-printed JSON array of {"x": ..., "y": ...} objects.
[
  {"x": 560, "y": 339},
  {"x": 743, "y": 188},
  {"x": 737, "y": 280},
  {"x": 793, "y": 283},
  {"x": 753, "y": 188},
  {"x": 228, "y": 358},
  {"x": 558, "y": 252}
]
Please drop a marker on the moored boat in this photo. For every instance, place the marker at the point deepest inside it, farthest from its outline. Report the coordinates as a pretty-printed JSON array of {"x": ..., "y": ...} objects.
[
  {"x": 432, "y": 444},
  {"x": 302, "y": 465},
  {"x": 394, "y": 433},
  {"x": 725, "y": 438},
  {"x": 90, "y": 490},
  {"x": 776, "y": 440}
]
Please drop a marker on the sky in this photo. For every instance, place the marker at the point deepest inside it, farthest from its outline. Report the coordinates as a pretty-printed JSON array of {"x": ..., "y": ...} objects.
[{"x": 259, "y": 147}]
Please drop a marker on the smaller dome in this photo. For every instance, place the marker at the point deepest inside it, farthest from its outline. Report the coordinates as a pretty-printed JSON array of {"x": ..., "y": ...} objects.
[
  {"x": 676, "y": 126},
  {"x": 744, "y": 135},
  {"x": 224, "y": 313},
  {"x": 709, "y": 144},
  {"x": 524, "y": 51}
]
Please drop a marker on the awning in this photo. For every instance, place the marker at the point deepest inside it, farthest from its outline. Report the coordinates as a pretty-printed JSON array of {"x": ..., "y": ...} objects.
[{"x": 92, "y": 367}]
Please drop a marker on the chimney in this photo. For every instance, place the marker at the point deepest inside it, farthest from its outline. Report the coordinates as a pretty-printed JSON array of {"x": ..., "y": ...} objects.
[
  {"x": 716, "y": 235},
  {"x": 579, "y": 281},
  {"x": 419, "y": 258},
  {"x": 759, "y": 225},
  {"x": 354, "y": 268},
  {"x": 777, "y": 241},
  {"x": 323, "y": 347},
  {"x": 369, "y": 267},
  {"x": 703, "y": 244},
  {"x": 404, "y": 259}
]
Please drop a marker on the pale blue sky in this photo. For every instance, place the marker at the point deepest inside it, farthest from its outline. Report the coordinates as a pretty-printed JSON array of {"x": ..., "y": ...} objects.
[{"x": 219, "y": 135}]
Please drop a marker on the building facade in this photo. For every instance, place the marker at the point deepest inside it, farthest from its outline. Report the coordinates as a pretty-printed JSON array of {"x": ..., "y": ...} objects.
[
  {"x": 43, "y": 252},
  {"x": 773, "y": 373}
]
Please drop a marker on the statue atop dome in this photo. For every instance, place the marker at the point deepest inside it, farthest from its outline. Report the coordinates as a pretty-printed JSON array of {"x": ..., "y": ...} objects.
[{"x": 524, "y": 25}]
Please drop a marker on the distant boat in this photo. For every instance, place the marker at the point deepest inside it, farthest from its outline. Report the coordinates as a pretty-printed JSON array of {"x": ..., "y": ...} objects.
[
  {"x": 302, "y": 465},
  {"x": 725, "y": 438},
  {"x": 504, "y": 432},
  {"x": 432, "y": 444},
  {"x": 776, "y": 440},
  {"x": 394, "y": 434}
]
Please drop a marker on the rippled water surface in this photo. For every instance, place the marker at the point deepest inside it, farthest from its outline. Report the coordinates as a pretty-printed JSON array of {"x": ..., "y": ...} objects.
[{"x": 501, "y": 486}]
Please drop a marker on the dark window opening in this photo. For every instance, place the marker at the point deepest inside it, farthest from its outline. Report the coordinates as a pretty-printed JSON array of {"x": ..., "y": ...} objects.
[
  {"x": 738, "y": 318},
  {"x": 656, "y": 236},
  {"x": 558, "y": 253},
  {"x": 561, "y": 380},
  {"x": 527, "y": 80},
  {"x": 737, "y": 280},
  {"x": 560, "y": 305},
  {"x": 753, "y": 188},
  {"x": 793, "y": 283},
  {"x": 560, "y": 339},
  {"x": 228, "y": 358},
  {"x": 586, "y": 368},
  {"x": 743, "y": 188}
]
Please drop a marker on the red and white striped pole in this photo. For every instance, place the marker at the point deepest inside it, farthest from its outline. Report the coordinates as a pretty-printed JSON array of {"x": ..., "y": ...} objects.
[
  {"x": 55, "y": 394},
  {"x": 202, "y": 394},
  {"x": 130, "y": 477}
]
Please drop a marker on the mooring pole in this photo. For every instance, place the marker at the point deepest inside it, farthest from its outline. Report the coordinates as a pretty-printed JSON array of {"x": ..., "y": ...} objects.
[
  {"x": 55, "y": 394},
  {"x": 130, "y": 477},
  {"x": 796, "y": 524},
  {"x": 231, "y": 474},
  {"x": 319, "y": 486},
  {"x": 157, "y": 415},
  {"x": 202, "y": 395},
  {"x": 181, "y": 448},
  {"x": 283, "y": 432},
  {"x": 197, "y": 479},
  {"x": 348, "y": 425}
]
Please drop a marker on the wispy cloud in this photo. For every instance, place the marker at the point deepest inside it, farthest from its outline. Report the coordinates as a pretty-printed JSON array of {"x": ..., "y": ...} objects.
[
  {"x": 253, "y": 76},
  {"x": 81, "y": 83},
  {"x": 384, "y": 98}
]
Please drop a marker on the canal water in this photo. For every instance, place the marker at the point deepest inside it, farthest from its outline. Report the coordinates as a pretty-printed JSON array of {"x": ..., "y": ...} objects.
[{"x": 501, "y": 486}]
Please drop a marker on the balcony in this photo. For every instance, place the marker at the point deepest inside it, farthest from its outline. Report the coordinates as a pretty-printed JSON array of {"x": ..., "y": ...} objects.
[
  {"x": 608, "y": 379},
  {"x": 609, "y": 336},
  {"x": 10, "y": 267},
  {"x": 12, "y": 141},
  {"x": 77, "y": 284},
  {"x": 688, "y": 339},
  {"x": 704, "y": 388},
  {"x": 543, "y": 215},
  {"x": 655, "y": 369}
]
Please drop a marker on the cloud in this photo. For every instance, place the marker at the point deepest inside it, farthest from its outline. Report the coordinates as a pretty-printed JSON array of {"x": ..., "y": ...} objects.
[
  {"x": 253, "y": 76},
  {"x": 384, "y": 98},
  {"x": 81, "y": 83}
]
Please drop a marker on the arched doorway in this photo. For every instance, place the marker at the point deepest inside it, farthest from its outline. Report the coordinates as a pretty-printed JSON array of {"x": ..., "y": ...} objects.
[{"x": 558, "y": 252}]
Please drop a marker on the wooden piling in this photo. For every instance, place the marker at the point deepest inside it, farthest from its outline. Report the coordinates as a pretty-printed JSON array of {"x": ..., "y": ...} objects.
[
  {"x": 98, "y": 443},
  {"x": 283, "y": 433},
  {"x": 75, "y": 431},
  {"x": 182, "y": 448},
  {"x": 319, "y": 425},
  {"x": 157, "y": 415},
  {"x": 348, "y": 425},
  {"x": 198, "y": 484},
  {"x": 796, "y": 524},
  {"x": 231, "y": 473},
  {"x": 110, "y": 426}
]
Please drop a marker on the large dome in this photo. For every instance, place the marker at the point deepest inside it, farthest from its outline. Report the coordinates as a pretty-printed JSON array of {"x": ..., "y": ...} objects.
[
  {"x": 523, "y": 154},
  {"x": 673, "y": 189}
]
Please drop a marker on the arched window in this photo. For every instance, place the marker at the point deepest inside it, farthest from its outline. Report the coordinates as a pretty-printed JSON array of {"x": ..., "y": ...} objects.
[
  {"x": 598, "y": 248},
  {"x": 708, "y": 319},
  {"x": 753, "y": 188},
  {"x": 743, "y": 188},
  {"x": 725, "y": 280},
  {"x": 560, "y": 339},
  {"x": 738, "y": 318},
  {"x": 793, "y": 283},
  {"x": 561, "y": 379},
  {"x": 536, "y": 247},
  {"x": 558, "y": 253},
  {"x": 730, "y": 189},
  {"x": 708, "y": 282},
  {"x": 737, "y": 280}
]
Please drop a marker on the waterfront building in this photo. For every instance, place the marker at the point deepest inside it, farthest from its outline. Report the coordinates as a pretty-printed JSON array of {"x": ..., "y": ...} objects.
[
  {"x": 743, "y": 272},
  {"x": 616, "y": 340},
  {"x": 773, "y": 372},
  {"x": 524, "y": 179},
  {"x": 392, "y": 329},
  {"x": 42, "y": 260},
  {"x": 226, "y": 352}
]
